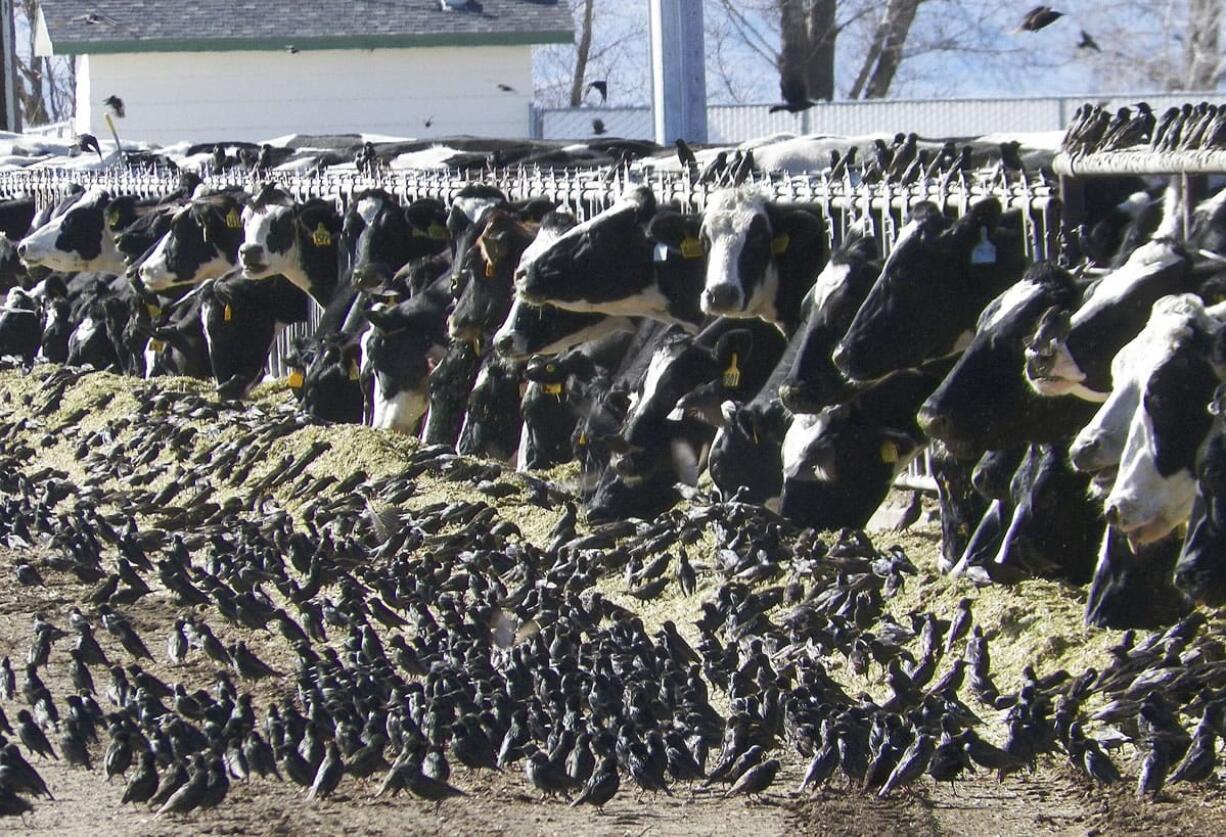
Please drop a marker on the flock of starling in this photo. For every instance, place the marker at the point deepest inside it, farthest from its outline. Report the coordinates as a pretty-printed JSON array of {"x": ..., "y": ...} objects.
[
  {"x": 410, "y": 646},
  {"x": 1200, "y": 127}
]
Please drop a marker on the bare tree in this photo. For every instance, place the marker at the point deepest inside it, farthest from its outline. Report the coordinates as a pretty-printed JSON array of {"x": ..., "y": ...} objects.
[
  {"x": 885, "y": 54},
  {"x": 583, "y": 51},
  {"x": 46, "y": 87}
]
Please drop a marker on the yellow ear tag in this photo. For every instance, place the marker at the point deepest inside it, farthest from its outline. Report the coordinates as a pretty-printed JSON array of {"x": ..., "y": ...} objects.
[
  {"x": 755, "y": 434},
  {"x": 156, "y": 346},
  {"x": 354, "y": 372},
  {"x": 233, "y": 221},
  {"x": 228, "y": 313},
  {"x": 732, "y": 375},
  {"x": 779, "y": 244},
  {"x": 582, "y": 439},
  {"x": 553, "y": 389},
  {"x": 321, "y": 237},
  {"x": 691, "y": 248},
  {"x": 112, "y": 218},
  {"x": 889, "y": 452},
  {"x": 153, "y": 310},
  {"x": 437, "y": 231},
  {"x": 489, "y": 270},
  {"x": 295, "y": 379}
]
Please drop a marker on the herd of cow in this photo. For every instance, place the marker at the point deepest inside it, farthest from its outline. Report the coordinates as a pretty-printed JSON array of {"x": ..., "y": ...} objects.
[{"x": 1068, "y": 410}]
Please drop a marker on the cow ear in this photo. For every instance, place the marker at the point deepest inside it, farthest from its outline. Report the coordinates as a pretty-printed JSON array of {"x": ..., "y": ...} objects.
[
  {"x": 986, "y": 214},
  {"x": 427, "y": 215},
  {"x": 533, "y": 211},
  {"x": 672, "y": 228},
  {"x": 795, "y": 231}
]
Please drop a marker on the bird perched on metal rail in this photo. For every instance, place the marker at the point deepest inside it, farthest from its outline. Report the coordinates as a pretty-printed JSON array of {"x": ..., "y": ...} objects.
[{"x": 116, "y": 105}]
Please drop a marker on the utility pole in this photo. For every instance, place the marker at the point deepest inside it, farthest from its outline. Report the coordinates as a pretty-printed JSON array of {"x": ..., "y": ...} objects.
[
  {"x": 678, "y": 71},
  {"x": 9, "y": 112}
]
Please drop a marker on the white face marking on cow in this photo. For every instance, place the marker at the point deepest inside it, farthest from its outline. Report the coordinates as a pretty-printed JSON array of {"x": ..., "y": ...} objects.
[
  {"x": 474, "y": 208},
  {"x": 1016, "y": 296},
  {"x": 829, "y": 282},
  {"x": 1145, "y": 261},
  {"x": 726, "y": 220},
  {"x": 257, "y": 227},
  {"x": 545, "y": 238},
  {"x": 82, "y": 334},
  {"x": 1100, "y": 443},
  {"x": 661, "y": 360},
  {"x": 804, "y": 429},
  {"x": 368, "y": 208},
  {"x": 39, "y": 247}
]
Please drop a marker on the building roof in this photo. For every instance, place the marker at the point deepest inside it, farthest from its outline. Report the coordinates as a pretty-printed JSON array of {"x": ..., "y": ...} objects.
[{"x": 109, "y": 26}]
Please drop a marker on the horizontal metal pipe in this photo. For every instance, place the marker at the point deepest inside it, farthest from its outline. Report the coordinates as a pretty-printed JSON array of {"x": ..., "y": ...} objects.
[{"x": 1139, "y": 162}]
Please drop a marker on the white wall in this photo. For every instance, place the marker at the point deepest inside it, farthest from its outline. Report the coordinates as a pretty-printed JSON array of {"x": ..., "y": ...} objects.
[{"x": 202, "y": 96}]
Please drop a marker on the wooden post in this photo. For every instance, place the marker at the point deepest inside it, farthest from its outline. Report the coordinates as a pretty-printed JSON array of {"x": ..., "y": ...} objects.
[{"x": 679, "y": 86}]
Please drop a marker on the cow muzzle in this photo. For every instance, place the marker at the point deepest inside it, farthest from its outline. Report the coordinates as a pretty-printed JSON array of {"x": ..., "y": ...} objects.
[{"x": 723, "y": 299}]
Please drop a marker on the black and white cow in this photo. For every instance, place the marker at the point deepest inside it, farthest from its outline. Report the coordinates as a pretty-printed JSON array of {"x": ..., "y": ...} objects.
[
  {"x": 839, "y": 464},
  {"x": 633, "y": 259},
  {"x": 938, "y": 277},
  {"x": 762, "y": 257},
  {"x": 1201, "y": 570},
  {"x": 492, "y": 426},
  {"x": 985, "y": 402},
  {"x": 76, "y": 239},
  {"x": 528, "y": 330},
  {"x": 300, "y": 241},
  {"x": 21, "y": 325},
  {"x": 16, "y": 216},
  {"x": 1156, "y": 482},
  {"x": 202, "y": 243},
  {"x": 240, "y": 318},
  {"x": 449, "y": 384},
  {"x": 384, "y": 236},
  {"x": 813, "y": 381},
  {"x": 398, "y": 351},
  {"x": 549, "y": 408}
]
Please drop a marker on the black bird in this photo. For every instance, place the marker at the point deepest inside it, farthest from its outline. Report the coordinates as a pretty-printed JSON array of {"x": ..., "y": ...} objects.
[
  {"x": 755, "y": 780},
  {"x": 795, "y": 93},
  {"x": 1087, "y": 42},
  {"x": 601, "y": 87},
  {"x": 291, "y": 49},
  {"x": 601, "y": 787},
  {"x": 189, "y": 796},
  {"x": 506, "y": 88},
  {"x": 88, "y": 142},
  {"x": 329, "y": 774},
  {"x": 144, "y": 782},
  {"x": 33, "y": 737},
  {"x": 1040, "y": 17},
  {"x": 115, "y": 104},
  {"x": 26, "y": 575},
  {"x": 546, "y": 776},
  {"x": 1009, "y": 156},
  {"x": 598, "y": 127},
  {"x": 686, "y": 155},
  {"x": 171, "y": 781},
  {"x": 911, "y": 766}
]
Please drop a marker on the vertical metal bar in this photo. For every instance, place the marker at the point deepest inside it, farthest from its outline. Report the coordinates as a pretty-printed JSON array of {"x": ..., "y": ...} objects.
[{"x": 679, "y": 87}]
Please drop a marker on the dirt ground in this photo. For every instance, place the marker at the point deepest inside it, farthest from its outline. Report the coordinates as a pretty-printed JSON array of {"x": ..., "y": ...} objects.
[{"x": 1034, "y": 621}]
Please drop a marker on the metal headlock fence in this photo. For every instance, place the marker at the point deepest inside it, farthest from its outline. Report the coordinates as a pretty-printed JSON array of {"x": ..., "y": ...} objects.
[{"x": 587, "y": 192}]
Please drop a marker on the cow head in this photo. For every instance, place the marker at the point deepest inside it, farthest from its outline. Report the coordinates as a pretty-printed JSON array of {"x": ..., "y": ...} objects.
[
  {"x": 299, "y": 241},
  {"x": 813, "y": 381},
  {"x": 1071, "y": 352},
  {"x": 613, "y": 264},
  {"x": 985, "y": 402},
  {"x": 933, "y": 285},
  {"x": 484, "y": 275},
  {"x": 761, "y": 257},
  {"x": 1155, "y": 485},
  {"x": 76, "y": 240},
  {"x": 202, "y": 243},
  {"x": 386, "y": 236},
  {"x": 404, "y": 342},
  {"x": 1201, "y": 572}
]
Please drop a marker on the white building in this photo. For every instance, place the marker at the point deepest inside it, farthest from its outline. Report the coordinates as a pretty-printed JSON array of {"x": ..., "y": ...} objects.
[{"x": 205, "y": 70}]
